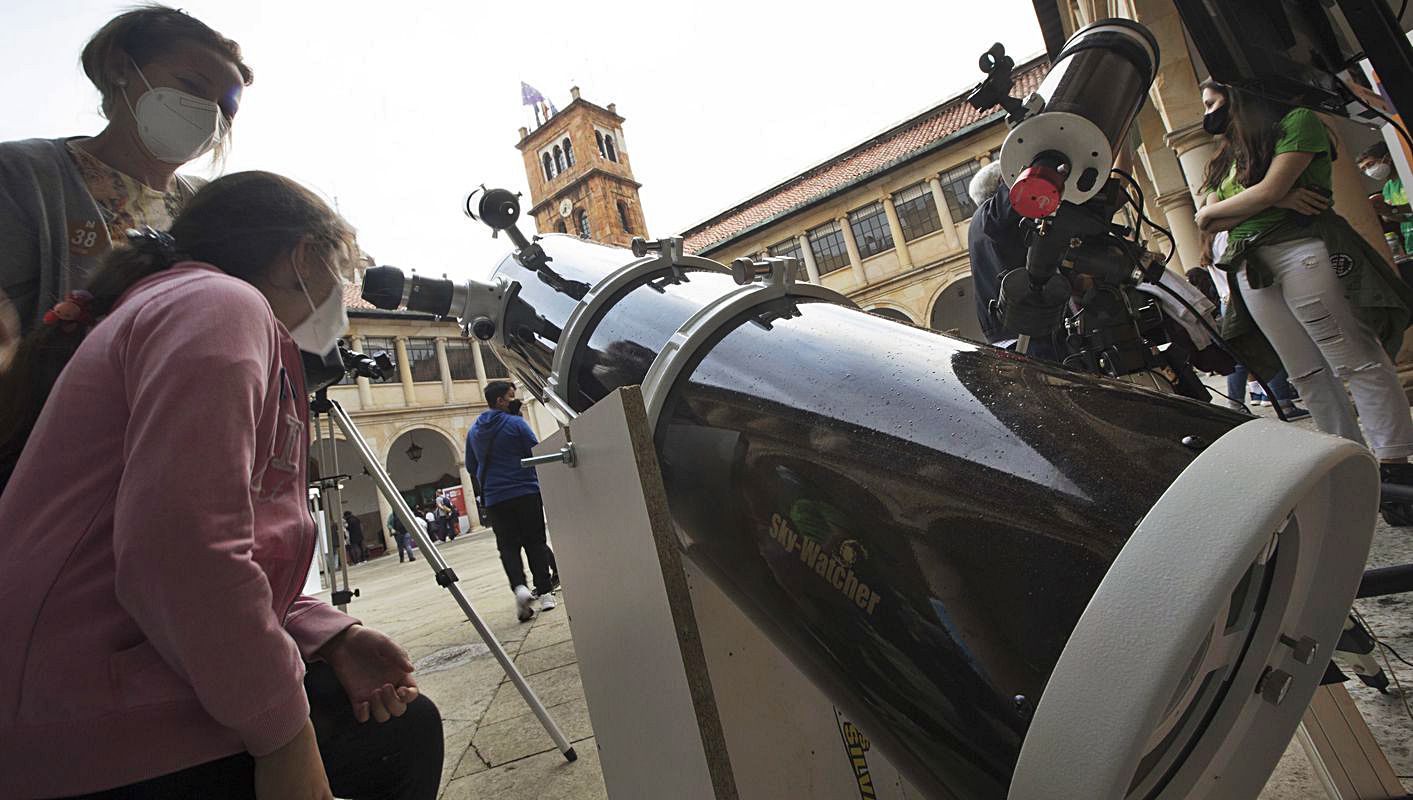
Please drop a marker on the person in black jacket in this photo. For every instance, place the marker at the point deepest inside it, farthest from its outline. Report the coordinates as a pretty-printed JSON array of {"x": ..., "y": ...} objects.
[
  {"x": 399, "y": 533},
  {"x": 994, "y": 244},
  {"x": 356, "y": 552}
]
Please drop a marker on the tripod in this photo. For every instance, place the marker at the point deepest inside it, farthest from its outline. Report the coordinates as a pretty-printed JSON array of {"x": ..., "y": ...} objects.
[{"x": 322, "y": 406}]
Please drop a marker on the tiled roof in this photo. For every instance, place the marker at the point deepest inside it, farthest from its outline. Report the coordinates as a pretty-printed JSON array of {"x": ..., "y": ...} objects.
[
  {"x": 353, "y": 298},
  {"x": 888, "y": 148}
]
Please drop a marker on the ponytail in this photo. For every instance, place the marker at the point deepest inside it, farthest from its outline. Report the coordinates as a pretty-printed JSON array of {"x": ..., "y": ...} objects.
[
  {"x": 44, "y": 351},
  {"x": 240, "y": 223}
]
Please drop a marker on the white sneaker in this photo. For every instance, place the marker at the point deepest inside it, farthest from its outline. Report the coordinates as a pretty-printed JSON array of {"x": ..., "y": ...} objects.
[
  {"x": 547, "y": 602},
  {"x": 522, "y": 604}
]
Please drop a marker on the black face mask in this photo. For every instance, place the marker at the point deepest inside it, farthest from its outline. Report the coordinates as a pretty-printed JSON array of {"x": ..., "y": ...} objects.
[
  {"x": 1215, "y": 121},
  {"x": 514, "y": 407}
]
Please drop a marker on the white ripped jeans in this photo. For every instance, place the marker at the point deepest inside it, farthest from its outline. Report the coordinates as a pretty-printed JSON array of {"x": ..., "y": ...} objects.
[{"x": 1311, "y": 325}]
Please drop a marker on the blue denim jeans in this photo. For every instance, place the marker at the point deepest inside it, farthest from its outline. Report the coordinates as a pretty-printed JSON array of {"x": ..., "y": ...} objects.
[{"x": 1279, "y": 383}]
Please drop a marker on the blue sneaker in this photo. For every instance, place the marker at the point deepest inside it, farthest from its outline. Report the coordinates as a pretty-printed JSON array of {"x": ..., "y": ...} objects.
[{"x": 1293, "y": 412}]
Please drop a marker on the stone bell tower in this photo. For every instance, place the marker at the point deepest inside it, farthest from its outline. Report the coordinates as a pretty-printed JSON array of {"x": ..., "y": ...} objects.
[{"x": 581, "y": 181}]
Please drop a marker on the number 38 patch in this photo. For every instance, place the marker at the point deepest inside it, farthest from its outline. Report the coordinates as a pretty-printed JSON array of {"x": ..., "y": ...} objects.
[
  {"x": 87, "y": 238},
  {"x": 1343, "y": 264}
]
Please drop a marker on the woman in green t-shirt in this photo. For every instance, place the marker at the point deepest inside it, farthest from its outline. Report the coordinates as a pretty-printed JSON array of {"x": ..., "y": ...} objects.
[{"x": 1272, "y": 167}]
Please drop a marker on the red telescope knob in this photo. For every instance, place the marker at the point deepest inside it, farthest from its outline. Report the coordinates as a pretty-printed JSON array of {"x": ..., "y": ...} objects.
[{"x": 1036, "y": 193}]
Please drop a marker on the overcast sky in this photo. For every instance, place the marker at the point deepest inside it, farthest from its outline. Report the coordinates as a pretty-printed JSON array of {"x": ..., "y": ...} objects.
[{"x": 399, "y": 109}]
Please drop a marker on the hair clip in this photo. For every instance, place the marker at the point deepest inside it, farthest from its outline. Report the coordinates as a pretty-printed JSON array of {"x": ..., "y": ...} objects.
[{"x": 71, "y": 313}]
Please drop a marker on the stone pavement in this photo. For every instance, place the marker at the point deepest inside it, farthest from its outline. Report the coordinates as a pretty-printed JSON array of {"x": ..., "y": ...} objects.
[{"x": 495, "y": 747}]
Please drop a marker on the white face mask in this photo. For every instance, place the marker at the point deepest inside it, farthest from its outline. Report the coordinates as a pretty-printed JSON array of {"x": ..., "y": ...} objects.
[
  {"x": 1379, "y": 172},
  {"x": 320, "y": 331},
  {"x": 174, "y": 126}
]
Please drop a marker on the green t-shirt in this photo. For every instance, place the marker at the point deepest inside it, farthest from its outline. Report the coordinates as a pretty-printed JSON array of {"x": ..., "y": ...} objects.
[
  {"x": 1395, "y": 196},
  {"x": 1303, "y": 132}
]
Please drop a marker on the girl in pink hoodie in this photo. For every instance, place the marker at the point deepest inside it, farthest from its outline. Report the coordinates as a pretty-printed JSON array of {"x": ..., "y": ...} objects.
[{"x": 157, "y": 534}]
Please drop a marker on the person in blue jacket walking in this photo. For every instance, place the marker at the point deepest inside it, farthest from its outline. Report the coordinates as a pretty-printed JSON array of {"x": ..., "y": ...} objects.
[{"x": 511, "y": 493}]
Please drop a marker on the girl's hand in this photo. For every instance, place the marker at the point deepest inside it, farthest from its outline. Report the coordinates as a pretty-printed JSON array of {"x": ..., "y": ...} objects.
[
  {"x": 1304, "y": 201},
  {"x": 374, "y": 671}
]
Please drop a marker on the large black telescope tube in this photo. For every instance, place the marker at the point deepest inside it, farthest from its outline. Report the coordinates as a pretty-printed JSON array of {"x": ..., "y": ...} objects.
[
  {"x": 1020, "y": 581},
  {"x": 917, "y": 521}
]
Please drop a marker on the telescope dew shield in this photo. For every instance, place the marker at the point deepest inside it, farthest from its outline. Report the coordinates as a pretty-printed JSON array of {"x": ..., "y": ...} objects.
[
  {"x": 924, "y": 525},
  {"x": 1091, "y": 96}
]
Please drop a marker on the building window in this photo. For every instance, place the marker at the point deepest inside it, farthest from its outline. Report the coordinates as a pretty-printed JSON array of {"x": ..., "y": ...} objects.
[
  {"x": 494, "y": 369},
  {"x": 623, "y": 217},
  {"x": 917, "y": 211},
  {"x": 584, "y": 225},
  {"x": 827, "y": 244},
  {"x": 598, "y": 137},
  {"x": 612, "y": 151},
  {"x": 460, "y": 360},
  {"x": 954, "y": 187},
  {"x": 568, "y": 152},
  {"x": 558, "y": 160},
  {"x": 549, "y": 167},
  {"x": 559, "y": 226},
  {"x": 422, "y": 358},
  {"x": 871, "y": 231},
  {"x": 790, "y": 248}
]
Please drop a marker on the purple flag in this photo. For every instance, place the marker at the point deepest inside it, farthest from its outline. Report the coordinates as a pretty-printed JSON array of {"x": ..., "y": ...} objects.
[{"x": 529, "y": 96}]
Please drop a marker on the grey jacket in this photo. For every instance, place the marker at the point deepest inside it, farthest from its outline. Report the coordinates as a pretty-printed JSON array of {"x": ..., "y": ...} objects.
[{"x": 52, "y": 232}]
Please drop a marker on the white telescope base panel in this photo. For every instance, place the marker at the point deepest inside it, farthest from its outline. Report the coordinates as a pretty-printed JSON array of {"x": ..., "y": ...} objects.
[{"x": 1169, "y": 654}]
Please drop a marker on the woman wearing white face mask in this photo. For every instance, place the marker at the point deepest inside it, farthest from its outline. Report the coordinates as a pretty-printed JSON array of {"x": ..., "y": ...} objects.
[
  {"x": 170, "y": 87},
  {"x": 157, "y": 531}
]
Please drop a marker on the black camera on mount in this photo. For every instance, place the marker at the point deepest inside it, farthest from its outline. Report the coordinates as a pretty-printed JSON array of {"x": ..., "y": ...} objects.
[{"x": 321, "y": 372}]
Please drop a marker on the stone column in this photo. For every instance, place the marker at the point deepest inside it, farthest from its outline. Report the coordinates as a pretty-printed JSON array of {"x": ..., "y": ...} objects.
[
  {"x": 480, "y": 363},
  {"x": 855, "y": 260},
  {"x": 905, "y": 259},
  {"x": 404, "y": 371},
  {"x": 365, "y": 389},
  {"x": 385, "y": 511},
  {"x": 944, "y": 212},
  {"x": 1180, "y": 217},
  {"x": 1169, "y": 200},
  {"x": 1195, "y": 149},
  {"x": 444, "y": 367},
  {"x": 468, "y": 493},
  {"x": 808, "y": 255}
]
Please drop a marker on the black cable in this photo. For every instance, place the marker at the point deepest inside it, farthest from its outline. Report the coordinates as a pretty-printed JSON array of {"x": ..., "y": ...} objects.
[
  {"x": 1408, "y": 140},
  {"x": 1388, "y": 646},
  {"x": 1172, "y": 243},
  {"x": 1226, "y": 348}
]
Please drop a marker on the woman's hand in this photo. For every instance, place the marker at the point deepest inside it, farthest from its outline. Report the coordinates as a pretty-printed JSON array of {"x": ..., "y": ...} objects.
[
  {"x": 293, "y": 772},
  {"x": 374, "y": 671},
  {"x": 1304, "y": 201},
  {"x": 1207, "y": 219}
]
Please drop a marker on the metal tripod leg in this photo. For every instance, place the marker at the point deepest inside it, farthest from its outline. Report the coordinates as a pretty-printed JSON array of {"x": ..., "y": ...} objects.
[{"x": 446, "y": 576}]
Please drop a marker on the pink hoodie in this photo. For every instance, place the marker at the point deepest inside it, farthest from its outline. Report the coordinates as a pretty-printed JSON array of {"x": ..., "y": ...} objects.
[{"x": 155, "y": 539}]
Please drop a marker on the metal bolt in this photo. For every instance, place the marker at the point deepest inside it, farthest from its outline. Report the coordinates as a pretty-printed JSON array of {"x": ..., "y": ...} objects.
[
  {"x": 1302, "y": 650},
  {"x": 1274, "y": 685},
  {"x": 1023, "y": 706}
]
